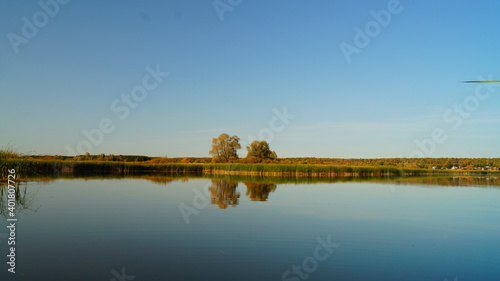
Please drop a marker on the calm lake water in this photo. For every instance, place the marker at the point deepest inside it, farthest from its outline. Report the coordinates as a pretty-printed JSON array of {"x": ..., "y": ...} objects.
[{"x": 165, "y": 228}]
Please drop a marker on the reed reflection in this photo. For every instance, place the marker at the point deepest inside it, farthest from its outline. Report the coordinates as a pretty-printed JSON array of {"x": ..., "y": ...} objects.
[{"x": 24, "y": 198}]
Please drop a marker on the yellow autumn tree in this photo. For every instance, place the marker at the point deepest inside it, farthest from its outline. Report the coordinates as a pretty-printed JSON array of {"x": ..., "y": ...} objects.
[{"x": 224, "y": 148}]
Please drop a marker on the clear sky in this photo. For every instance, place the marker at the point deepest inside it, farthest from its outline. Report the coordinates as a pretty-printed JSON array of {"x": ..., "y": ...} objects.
[{"x": 232, "y": 65}]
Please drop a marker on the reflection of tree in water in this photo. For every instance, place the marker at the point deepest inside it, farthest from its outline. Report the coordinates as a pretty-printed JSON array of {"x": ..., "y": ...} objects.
[
  {"x": 25, "y": 198},
  {"x": 259, "y": 191},
  {"x": 223, "y": 193}
]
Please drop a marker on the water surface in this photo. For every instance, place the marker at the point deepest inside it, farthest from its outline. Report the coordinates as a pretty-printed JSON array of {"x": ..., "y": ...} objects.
[{"x": 167, "y": 228}]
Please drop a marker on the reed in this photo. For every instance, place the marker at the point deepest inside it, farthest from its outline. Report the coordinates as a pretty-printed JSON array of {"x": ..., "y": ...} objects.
[{"x": 30, "y": 168}]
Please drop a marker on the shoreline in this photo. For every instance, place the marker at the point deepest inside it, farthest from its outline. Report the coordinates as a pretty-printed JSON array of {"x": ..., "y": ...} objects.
[{"x": 28, "y": 167}]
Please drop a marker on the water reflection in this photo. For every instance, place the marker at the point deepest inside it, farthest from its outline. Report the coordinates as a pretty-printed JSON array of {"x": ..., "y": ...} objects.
[
  {"x": 24, "y": 198},
  {"x": 223, "y": 189},
  {"x": 162, "y": 179},
  {"x": 223, "y": 193},
  {"x": 259, "y": 191},
  {"x": 449, "y": 181},
  {"x": 106, "y": 223}
]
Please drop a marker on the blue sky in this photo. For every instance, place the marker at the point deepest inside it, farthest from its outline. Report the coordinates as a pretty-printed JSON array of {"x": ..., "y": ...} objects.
[{"x": 232, "y": 75}]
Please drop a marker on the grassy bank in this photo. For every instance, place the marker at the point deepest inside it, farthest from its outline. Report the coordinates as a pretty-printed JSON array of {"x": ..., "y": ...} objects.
[
  {"x": 28, "y": 168},
  {"x": 308, "y": 170}
]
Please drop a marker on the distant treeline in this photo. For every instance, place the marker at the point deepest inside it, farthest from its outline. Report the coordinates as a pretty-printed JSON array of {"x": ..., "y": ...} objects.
[
  {"x": 410, "y": 163},
  {"x": 89, "y": 157}
]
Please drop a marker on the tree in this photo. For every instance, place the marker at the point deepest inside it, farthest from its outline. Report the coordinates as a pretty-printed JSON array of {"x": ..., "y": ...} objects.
[
  {"x": 260, "y": 150},
  {"x": 224, "y": 148}
]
